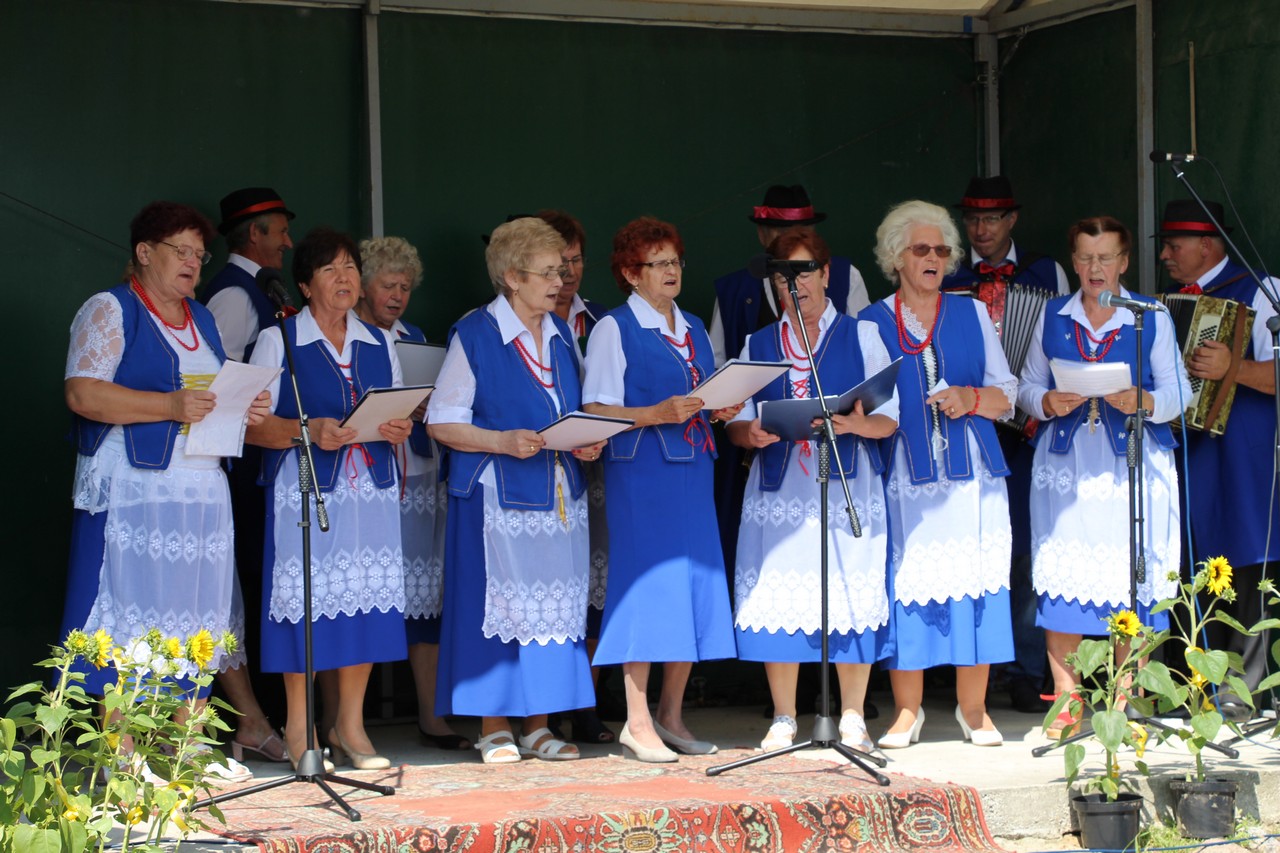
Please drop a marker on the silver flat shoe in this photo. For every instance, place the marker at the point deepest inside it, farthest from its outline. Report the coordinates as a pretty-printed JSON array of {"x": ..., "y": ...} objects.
[{"x": 683, "y": 745}]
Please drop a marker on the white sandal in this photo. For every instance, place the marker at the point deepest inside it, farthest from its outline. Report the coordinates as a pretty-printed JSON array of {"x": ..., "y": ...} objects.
[
  {"x": 498, "y": 748},
  {"x": 853, "y": 732},
  {"x": 552, "y": 749},
  {"x": 226, "y": 770},
  {"x": 781, "y": 734}
]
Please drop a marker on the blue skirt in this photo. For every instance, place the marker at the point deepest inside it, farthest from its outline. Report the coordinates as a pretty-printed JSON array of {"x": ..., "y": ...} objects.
[
  {"x": 796, "y": 647},
  {"x": 668, "y": 596},
  {"x": 963, "y": 632},
  {"x": 88, "y": 539},
  {"x": 425, "y": 630},
  {"x": 482, "y": 676},
  {"x": 1088, "y": 619},
  {"x": 373, "y": 637}
]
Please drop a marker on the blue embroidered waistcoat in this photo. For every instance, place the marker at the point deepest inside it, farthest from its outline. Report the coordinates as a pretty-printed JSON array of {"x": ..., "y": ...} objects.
[
  {"x": 148, "y": 363},
  {"x": 839, "y": 363},
  {"x": 739, "y": 293},
  {"x": 1060, "y": 342},
  {"x": 326, "y": 394},
  {"x": 419, "y": 441},
  {"x": 656, "y": 370},
  {"x": 234, "y": 276},
  {"x": 1032, "y": 270},
  {"x": 959, "y": 346},
  {"x": 509, "y": 397}
]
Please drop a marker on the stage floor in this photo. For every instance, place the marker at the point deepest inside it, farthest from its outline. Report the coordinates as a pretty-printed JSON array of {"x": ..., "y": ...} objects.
[{"x": 1023, "y": 799}]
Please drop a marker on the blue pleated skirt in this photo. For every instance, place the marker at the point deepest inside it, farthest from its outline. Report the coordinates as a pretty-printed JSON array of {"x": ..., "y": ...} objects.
[
  {"x": 483, "y": 676},
  {"x": 963, "y": 632},
  {"x": 1072, "y": 617},
  {"x": 797, "y": 647}
]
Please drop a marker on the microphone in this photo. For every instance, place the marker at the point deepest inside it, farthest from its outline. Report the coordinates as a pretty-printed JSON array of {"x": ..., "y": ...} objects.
[
  {"x": 271, "y": 282},
  {"x": 763, "y": 266},
  {"x": 1170, "y": 157},
  {"x": 1115, "y": 300}
]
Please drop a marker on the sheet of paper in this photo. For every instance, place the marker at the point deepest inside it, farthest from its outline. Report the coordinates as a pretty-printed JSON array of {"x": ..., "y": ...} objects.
[
  {"x": 221, "y": 433},
  {"x": 579, "y": 429},
  {"x": 419, "y": 363},
  {"x": 379, "y": 405},
  {"x": 1090, "y": 379},
  {"x": 736, "y": 381}
]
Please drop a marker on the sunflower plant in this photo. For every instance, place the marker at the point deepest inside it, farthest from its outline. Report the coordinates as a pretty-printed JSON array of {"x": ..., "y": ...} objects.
[
  {"x": 1195, "y": 606},
  {"x": 79, "y": 772}
]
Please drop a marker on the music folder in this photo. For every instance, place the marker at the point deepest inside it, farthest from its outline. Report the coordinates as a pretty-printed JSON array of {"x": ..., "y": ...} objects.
[
  {"x": 419, "y": 363},
  {"x": 735, "y": 381},
  {"x": 579, "y": 429},
  {"x": 379, "y": 405},
  {"x": 790, "y": 419}
]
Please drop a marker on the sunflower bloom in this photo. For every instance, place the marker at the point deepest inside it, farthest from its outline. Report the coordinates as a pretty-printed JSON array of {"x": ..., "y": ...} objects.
[
  {"x": 1139, "y": 738},
  {"x": 1125, "y": 622},
  {"x": 1218, "y": 575},
  {"x": 173, "y": 647},
  {"x": 77, "y": 643},
  {"x": 134, "y": 816},
  {"x": 200, "y": 648},
  {"x": 102, "y": 653}
]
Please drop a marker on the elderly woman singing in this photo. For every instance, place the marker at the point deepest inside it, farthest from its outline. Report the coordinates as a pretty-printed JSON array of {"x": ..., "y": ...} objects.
[
  {"x": 516, "y": 564},
  {"x": 948, "y": 507}
]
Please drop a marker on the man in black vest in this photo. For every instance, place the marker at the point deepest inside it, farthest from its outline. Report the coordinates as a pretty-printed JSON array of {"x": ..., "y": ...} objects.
[{"x": 989, "y": 212}]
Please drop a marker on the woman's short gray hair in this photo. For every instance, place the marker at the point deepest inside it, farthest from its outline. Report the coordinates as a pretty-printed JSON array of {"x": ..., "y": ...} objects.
[
  {"x": 390, "y": 255},
  {"x": 512, "y": 246},
  {"x": 894, "y": 234}
]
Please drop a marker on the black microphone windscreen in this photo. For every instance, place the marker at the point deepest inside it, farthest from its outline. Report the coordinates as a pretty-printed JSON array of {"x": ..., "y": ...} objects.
[
  {"x": 759, "y": 266},
  {"x": 1158, "y": 156}
]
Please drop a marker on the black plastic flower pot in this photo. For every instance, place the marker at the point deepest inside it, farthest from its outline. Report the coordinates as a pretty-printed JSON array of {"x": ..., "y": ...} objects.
[
  {"x": 1108, "y": 824},
  {"x": 1205, "y": 809}
]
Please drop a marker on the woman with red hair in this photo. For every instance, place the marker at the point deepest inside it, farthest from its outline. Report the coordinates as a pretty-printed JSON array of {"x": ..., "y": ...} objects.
[{"x": 667, "y": 599}]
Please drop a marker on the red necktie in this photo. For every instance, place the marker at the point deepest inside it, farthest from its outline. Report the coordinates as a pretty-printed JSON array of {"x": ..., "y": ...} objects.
[
  {"x": 1193, "y": 288},
  {"x": 1003, "y": 272}
]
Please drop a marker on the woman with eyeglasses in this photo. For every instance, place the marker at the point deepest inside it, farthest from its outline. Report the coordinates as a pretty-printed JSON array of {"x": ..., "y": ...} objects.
[
  {"x": 1079, "y": 494},
  {"x": 357, "y": 568},
  {"x": 777, "y": 582},
  {"x": 512, "y": 638},
  {"x": 668, "y": 598},
  {"x": 948, "y": 506},
  {"x": 141, "y": 358}
]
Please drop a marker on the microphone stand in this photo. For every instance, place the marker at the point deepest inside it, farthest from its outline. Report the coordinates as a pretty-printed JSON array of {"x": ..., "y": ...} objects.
[
  {"x": 1273, "y": 326},
  {"x": 310, "y": 767},
  {"x": 826, "y": 734},
  {"x": 1135, "y": 426}
]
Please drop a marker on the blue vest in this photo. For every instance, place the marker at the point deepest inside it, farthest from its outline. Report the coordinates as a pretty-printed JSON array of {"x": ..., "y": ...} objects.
[
  {"x": 419, "y": 441},
  {"x": 958, "y": 344},
  {"x": 839, "y": 372},
  {"x": 1060, "y": 342},
  {"x": 234, "y": 276},
  {"x": 147, "y": 364},
  {"x": 508, "y": 397},
  {"x": 655, "y": 371},
  {"x": 739, "y": 293},
  {"x": 1230, "y": 475},
  {"x": 326, "y": 394},
  {"x": 1032, "y": 270}
]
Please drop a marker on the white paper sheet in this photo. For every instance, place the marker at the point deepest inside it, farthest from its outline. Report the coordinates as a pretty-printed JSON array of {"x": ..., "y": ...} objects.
[
  {"x": 379, "y": 405},
  {"x": 1090, "y": 379},
  {"x": 736, "y": 381},
  {"x": 221, "y": 433},
  {"x": 419, "y": 363},
  {"x": 579, "y": 429}
]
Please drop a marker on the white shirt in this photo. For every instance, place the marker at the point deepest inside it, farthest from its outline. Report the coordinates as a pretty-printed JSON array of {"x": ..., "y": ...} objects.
[
  {"x": 607, "y": 363},
  {"x": 234, "y": 313}
]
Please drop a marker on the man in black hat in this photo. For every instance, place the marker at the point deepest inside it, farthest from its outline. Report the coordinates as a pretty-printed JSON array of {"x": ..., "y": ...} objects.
[
  {"x": 255, "y": 222},
  {"x": 745, "y": 303},
  {"x": 989, "y": 211},
  {"x": 1229, "y": 476}
]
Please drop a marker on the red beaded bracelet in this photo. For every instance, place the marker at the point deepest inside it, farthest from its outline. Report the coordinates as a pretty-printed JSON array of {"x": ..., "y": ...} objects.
[{"x": 977, "y": 398}]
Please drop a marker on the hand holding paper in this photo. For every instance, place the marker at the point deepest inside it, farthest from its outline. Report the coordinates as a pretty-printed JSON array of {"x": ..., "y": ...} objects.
[{"x": 237, "y": 388}]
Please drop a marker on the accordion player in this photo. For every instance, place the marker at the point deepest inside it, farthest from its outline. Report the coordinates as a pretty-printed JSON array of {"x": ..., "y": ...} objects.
[{"x": 1196, "y": 320}]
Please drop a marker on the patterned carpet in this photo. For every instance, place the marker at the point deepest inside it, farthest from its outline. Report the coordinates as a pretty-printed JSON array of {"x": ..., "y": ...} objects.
[{"x": 790, "y": 805}]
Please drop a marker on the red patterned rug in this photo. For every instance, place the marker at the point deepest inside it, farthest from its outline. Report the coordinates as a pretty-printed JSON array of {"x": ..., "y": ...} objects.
[{"x": 789, "y": 805}]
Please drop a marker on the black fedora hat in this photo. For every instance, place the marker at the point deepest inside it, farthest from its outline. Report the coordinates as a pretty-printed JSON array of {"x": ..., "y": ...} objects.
[
  {"x": 784, "y": 207},
  {"x": 1184, "y": 217},
  {"x": 993, "y": 193},
  {"x": 247, "y": 203}
]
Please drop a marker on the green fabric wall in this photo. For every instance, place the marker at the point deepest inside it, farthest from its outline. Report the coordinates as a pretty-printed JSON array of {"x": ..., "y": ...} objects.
[{"x": 114, "y": 103}]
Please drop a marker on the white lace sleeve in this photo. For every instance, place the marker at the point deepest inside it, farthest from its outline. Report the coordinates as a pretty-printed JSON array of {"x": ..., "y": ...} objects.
[
  {"x": 997, "y": 366},
  {"x": 97, "y": 339}
]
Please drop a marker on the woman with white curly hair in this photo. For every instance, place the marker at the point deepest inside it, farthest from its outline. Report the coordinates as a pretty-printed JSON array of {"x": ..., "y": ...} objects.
[{"x": 949, "y": 510}]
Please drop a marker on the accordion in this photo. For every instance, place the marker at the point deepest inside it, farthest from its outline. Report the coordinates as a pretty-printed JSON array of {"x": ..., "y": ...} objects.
[
  {"x": 1015, "y": 309},
  {"x": 1197, "y": 319}
]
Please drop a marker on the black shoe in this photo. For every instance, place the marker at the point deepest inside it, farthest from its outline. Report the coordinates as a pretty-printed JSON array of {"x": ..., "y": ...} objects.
[
  {"x": 869, "y": 710},
  {"x": 1025, "y": 697}
]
